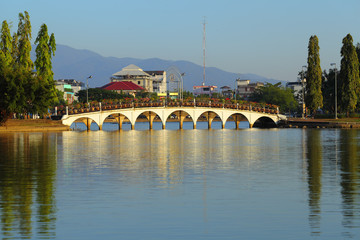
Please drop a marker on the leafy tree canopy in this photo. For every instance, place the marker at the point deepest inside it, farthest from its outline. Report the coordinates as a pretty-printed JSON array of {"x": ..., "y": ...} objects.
[
  {"x": 276, "y": 94},
  {"x": 98, "y": 94}
]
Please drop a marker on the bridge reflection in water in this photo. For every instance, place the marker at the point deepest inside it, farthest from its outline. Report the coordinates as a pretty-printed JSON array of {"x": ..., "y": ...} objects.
[{"x": 255, "y": 117}]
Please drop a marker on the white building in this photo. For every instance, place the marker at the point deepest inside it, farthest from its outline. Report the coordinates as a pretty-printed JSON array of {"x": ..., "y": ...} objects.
[{"x": 151, "y": 81}]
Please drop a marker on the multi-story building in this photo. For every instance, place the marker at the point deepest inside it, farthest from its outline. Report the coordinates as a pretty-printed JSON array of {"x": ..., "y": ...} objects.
[
  {"x": 295, "y": 86},
  {"x": 226, "y": 91},
  {"x": 70, "y": 87},
  {"x": 204, "y": 90},
  {"x": 158, "y": 79},
  {"x": 244, "y": 88}
]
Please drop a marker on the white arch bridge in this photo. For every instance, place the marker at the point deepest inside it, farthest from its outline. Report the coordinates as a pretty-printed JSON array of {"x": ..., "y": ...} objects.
[{"x": 259, "y": 118}]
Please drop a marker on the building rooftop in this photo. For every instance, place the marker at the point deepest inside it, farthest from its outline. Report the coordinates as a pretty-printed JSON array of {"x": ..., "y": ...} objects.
[
  {"x": 131, "y": 70},
  {"x": 124, "y": 85}
]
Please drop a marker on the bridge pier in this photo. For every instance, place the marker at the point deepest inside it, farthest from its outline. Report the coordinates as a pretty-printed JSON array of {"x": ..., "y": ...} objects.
[
  {"x": 100, "y": 127},
  {"x": 237, "y": 121},
  {"x": 150, "y": 116},
  {"x": 120, "y": 120},
  {"x": 210, "y": 118},
  {"x": 87, "y": 122},
  {"x": 181, "y": 118},
  {"x": 251, "y": 125}
]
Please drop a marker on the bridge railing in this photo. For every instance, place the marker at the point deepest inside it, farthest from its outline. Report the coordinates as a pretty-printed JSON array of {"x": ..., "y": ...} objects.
[{"x": 69, "y": 110}]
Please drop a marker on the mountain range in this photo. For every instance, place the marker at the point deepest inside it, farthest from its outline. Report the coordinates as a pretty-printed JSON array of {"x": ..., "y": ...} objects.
[{"x": 70, "y": 63}]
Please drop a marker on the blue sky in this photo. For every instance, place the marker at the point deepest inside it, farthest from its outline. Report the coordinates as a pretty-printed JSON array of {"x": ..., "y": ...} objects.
[{"x": 268, "y": 38}]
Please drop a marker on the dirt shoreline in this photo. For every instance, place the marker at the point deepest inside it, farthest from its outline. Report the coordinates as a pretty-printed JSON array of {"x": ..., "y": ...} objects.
[
  {"x": 33, "y": 125},
  {"x": 320, "y": 123}
]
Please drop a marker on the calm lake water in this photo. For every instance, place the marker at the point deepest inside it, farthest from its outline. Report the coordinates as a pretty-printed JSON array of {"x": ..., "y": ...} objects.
[{"x": 181, "y": 184}]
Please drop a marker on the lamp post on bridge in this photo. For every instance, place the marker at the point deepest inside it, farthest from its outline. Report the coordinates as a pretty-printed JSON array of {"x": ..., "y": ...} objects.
[
  {"x": 87, "y": 89},
  {"x": 335, "y": 71},
  {"x": 182, "y": 87}
]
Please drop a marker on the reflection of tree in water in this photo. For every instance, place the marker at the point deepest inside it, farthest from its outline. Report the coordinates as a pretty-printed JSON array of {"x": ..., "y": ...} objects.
[
  {"x": 349, "y": 176},
  {"x": 27, "y": 174},
  {"x": 314, "y": 170}
]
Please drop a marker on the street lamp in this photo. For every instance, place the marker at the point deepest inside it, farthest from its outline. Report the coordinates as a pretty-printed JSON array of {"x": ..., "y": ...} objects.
[
  {"x": 87, "y": 90},
  {"x": 335, "y": 70},
  {"x": 182, "y": 87},
  {"x": 236, "y": 87},
  {"x": 303, "y": 80}
]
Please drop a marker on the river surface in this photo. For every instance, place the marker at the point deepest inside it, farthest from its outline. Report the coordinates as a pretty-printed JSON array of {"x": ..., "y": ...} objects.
[{"x": 181, "y": 184}]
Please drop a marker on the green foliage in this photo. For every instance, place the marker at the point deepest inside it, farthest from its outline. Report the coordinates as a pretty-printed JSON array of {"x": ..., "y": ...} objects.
[
  {"x": 44, "y": 50},
  {"x": 144, "y": 94},
  {"x": 6, "y": 44},
  {"x": 313, "y": 97},
  {"x": 60, "y": 97},
  {"x": 276, "y": 94},
  {"x": 357, "y": 48},
  {"x": 328, "y": 90},
  {"x": 349, "y": 76},
  {"x": 24, "y": 35},
  {"x": 22, "y": 90},
  {"x": 98, "y": 94},
  {"x": 187, "y": 94}
]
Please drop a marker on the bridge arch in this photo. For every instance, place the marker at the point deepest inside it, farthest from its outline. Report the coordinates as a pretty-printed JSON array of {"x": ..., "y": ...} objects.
[
  {"x": 181, "y": 115},
  {"x": 264, "y": 122},
  {"x": 87, "y": 120},
  {"x": 210, "y": 115},
  {"x": 150, "y": 116},
  {"x": 237, "y": 118},
  {"x": 119, "y": 118}
]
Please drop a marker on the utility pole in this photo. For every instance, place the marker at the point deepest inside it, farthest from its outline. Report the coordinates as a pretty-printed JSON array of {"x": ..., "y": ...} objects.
[
  {"x": 335, "y": 71},
  {"x": 204, "y": 47}
]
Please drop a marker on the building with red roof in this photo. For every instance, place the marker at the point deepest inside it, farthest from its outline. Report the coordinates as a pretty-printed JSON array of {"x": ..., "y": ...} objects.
[{"x": 123, "y": 87}]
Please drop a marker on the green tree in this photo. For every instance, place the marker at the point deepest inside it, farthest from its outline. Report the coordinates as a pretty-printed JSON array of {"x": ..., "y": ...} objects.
[
  {"x": 8, "y": 88},
  {"x": 349, "y": 76},
  {"x": 24, "y": 44},
  {"x": 15, "y": 47},
  {"x": 328, "y": 90},
  {"x": 98, "y": 94},
  {"x": 188, "y": 94},
  {"x": 6, "y": 44},
  {"x": 276, "y": 94},
  {"x": 313, "y": 97},
  {"x": 46, "y": 92},
  {"x": 357, "y": 48}
]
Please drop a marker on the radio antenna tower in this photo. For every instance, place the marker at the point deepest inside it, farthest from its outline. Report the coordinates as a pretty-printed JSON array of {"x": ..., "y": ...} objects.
[{"x": 204, "y": 48}]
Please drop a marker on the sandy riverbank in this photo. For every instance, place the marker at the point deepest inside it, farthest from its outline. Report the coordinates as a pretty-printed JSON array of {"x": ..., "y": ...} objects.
[{"x": 33, "y": 125}]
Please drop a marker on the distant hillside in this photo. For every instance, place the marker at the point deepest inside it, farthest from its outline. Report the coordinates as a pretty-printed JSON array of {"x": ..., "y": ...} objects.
[{"x": 79, "y": 64}]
